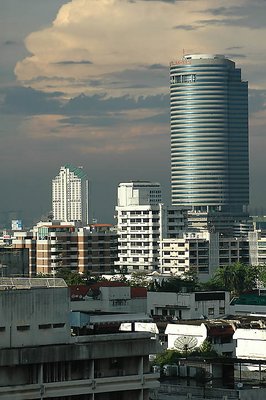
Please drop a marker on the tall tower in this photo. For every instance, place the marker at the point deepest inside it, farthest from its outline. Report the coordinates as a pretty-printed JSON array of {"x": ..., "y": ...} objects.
[
  {"x": 70, "y": 195},
  {"x": 209, "y": 135}
]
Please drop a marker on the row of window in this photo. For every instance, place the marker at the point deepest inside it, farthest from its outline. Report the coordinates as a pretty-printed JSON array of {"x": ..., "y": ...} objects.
[
  {"x": 41, "y": 326},
  {"x": 188, "y": 78},
  {"x": 145, "y": 212}
]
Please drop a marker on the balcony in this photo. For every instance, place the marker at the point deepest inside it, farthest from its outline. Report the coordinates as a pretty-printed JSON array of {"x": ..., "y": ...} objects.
[{"x": 80, "y": 387}]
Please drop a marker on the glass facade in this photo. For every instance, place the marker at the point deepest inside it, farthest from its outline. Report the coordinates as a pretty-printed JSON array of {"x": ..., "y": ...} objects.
[{"x": 209, "y": 134}]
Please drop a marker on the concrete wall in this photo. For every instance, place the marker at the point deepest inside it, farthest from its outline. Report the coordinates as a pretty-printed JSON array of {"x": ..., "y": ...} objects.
[
  {"x": 174, "y": 331},
  {"x": 112, "y": 299},
  {"x": 36, "y": 316},
  {"x": 251, "y": 343},
  {"x": 184, "y": 305}
]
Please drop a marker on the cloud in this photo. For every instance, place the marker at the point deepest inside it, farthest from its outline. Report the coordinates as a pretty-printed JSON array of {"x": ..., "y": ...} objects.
[
  {"x": 70, "y": 62},
  {"x": 186, "y": 27},
  {"x": 117, "y": 38},
  {"x": 248, "y": 15},
  {"x": 234, "y": 56},
  {"x": 96, "y": 110},
  {"x": 27, "y": 101},
  {"x": 257, "y": 100},
  {"x": 10, "y": 43}
]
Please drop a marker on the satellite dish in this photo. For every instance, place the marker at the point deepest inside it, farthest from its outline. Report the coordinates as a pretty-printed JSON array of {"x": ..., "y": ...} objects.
[{"x": 185, "y": 343}]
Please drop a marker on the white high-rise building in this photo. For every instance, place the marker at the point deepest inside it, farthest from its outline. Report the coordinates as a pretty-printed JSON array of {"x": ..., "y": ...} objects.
[
  {"x": 70, "y": 195},
  {"x": 142, "y": 222}
]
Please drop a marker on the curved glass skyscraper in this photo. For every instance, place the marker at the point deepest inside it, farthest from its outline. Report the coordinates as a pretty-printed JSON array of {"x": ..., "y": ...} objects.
[{"x": 209, "y": 134}]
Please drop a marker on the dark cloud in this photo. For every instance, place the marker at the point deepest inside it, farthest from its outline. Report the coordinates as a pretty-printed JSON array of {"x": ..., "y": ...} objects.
[
  {"x": 257, "y": 100},
  {"x": 100, "y": 121},
  {"x": 236, "y": 55},
  {"x": 72, "y": 62},
  {"x": 251, "y": 15},
  {"x": 20, "y": 100},
  {"x": 234, "y": 48},
  {"x": 186, "y": 27},
  {"x": 10, "y": 43},
  {"x": 100, "y": 104},
  {"x": 27, "y": 101},
  {"x": 136, "y": 86},
  {"x": 225, "y": 21},
  {"x": 162, "y": 1},
  {"x": 162, "y": 118},
  {"x": 143, "y": 76},
  {"x": 157, "y": 66}
]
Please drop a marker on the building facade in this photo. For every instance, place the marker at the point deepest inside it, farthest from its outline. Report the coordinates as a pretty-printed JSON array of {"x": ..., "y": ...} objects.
[
  {"x": 142, "y": 221},
  {"x": 257, "y": 246},
  {"x": 202, "y": 251},
  {"x": 41, "y": 359},
  {"x": 209, "y": 136},
  {"x": 54, "y": 245},
  {"x": 70, "y": 195},
  {"x": 194, "y": 305}
]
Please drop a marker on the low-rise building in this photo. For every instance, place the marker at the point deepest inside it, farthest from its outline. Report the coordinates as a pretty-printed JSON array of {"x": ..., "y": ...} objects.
[
  {"x": 109, "y": 296},
  {"x": 40, "y": 359},
  {"x": 177, "y": 306},
  {"x": 249, "y": 304},
  {"x": 187, "y": 335}
]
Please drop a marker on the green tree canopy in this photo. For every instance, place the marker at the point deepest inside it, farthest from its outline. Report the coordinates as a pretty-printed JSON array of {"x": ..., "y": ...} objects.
[
  {"x": 236, "y": 278},
  {"x": 188, "y": 282}
]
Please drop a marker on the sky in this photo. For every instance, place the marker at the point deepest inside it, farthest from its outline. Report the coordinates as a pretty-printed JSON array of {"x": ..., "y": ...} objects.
[{"x": 87, "y": 82}]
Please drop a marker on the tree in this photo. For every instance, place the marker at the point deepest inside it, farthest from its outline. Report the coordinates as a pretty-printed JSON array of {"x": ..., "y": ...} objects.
[
  {"x": 167, "y": 357},
  {"x": 236, "y": 278},
  {"x": 138, "y": 279},
  {"x": 71, "y": 278},
  {"x": 187, "y": 282}
]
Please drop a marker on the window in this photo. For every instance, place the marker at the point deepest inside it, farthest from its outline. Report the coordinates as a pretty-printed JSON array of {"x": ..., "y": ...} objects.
[
  {"x": 183, "y": 78},
  {"x": 211, "y": 311},
  {"x": 45, "y": 326},
  {"x": 23, "y": 328},
  {"x": 59, "y": 325},
  {"x": 2, "y": 328}
]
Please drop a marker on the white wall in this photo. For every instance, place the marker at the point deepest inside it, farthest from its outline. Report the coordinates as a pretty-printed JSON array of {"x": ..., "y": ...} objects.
[
  {"x": 174, "y": 331},
  {"x": 250, "y": 343}
]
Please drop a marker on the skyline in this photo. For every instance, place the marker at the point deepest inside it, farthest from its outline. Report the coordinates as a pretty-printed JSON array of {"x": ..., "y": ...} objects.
[{"x": 92, "y": 88}]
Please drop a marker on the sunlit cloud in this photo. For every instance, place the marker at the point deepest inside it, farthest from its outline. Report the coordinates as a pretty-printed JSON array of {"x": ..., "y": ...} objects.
[{"x": 94, "y": 41}]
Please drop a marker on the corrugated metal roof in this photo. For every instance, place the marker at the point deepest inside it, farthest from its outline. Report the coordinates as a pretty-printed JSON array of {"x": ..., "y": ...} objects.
[{"x": 29, "y": 283}]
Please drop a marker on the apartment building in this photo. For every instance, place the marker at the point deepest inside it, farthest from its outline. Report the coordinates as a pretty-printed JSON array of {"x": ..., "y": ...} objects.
[
  {"x": 54, "y": 245},
  {"x": 257, "y": 245},
  {"x": 70, "y": 195},
  {"x": 204, "y": 251},
  {"x": 142, "y": 221}
]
